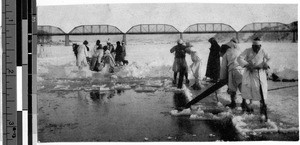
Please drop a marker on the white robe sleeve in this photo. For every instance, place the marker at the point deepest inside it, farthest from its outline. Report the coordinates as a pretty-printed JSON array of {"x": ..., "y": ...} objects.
[
  {"x": 224, "y": 69},
  {"x": 241, "y": 59},
  {"x": 267, "y": 58},
  {"x": 85, "y": 51}
]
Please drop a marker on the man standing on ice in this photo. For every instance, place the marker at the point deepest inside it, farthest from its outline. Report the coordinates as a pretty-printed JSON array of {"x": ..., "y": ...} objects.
[
  {"x": 97, "y": 54},
  {"x": 195, "y": 66},
  {"x": 180, "y": 64},
  {"x": 108, "y": 58},
  {"x": 213, "y": 62},
  {"x": 231, "y": 70},
  {"x": 119, "y": 54},
  {"x": 82, "y": 55},
  {"x": 88, "y": 54},
  {"x": 254, "y": 84},
  {"x": 111, "y": 48}
]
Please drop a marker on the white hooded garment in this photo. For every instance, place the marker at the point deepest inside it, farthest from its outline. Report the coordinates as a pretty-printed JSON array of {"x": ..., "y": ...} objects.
[
  {"x": 253, "y": 80},
  {"x": 196, "y": 65},
  {"x": 81, "y": 56}
]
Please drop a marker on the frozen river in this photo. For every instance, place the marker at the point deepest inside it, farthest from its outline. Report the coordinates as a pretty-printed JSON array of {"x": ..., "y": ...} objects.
[{"x": 75, "y": 114}]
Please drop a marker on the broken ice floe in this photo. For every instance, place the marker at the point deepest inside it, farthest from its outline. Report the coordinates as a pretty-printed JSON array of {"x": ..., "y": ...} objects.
[
  {"x": 287, "y": 130},
  {"x": 146, "y": 89},
  {"x": 172, "y": 89},
  {"x": 61, "y": 88},
  {"x": 284, "y": 73},
  {"x": 183, "y": 112},
  {"x": 122, "y": 87},
  {"x": 156, "y": 83},
  {"x": 209, "y": 116},
  {"x": 252, "y": 123}
]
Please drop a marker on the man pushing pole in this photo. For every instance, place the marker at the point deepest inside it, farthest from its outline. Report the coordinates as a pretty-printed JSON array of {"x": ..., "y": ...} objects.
[{"x": 255, "y": 60}]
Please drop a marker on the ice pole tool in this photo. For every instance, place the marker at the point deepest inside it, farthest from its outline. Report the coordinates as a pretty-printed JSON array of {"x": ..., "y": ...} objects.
[{"x": 206, "y": 93}]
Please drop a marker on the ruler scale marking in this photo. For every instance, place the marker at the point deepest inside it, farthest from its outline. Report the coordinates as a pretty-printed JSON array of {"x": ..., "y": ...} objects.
[{"x": 19, "y": 71}]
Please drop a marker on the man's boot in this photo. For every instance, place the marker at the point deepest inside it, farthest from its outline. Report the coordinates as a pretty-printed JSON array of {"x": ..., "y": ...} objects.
[
  {"x": 232, "y": 105},
  {"x": 196, "y": 86},
  {"x": 175, "y": 77},
  {"x": 245, "y": 107},
  {"x": 187, "y": 81},
  {"x": 263, "y": 110}
]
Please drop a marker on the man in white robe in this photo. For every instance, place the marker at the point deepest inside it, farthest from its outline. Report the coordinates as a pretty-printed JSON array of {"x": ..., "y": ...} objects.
[
  {"x": 256, "y": 61},
  {"x": 81, "y": 56}
]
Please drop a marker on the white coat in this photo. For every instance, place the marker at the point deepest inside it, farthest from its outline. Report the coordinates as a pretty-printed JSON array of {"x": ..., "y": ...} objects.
[{"x": 253, "y": 80}]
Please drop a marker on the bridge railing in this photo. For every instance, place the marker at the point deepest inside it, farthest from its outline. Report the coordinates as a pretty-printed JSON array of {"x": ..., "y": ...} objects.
[
  {"x": 153, "y": 29},
  {"x": 95, "y": 30},
  {"x": 209, "y": 28},
  {"x": 198, "y": 28},
  {"x": 49, "y": 30},
  {"x": 266, "y": 27}
]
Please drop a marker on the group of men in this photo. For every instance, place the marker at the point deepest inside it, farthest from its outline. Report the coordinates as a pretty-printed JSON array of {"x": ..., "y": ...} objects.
[
  {"x": 180, "y": 65},
  {"x": 244, "y": 71},
  {"x": 99, "y": 57}
]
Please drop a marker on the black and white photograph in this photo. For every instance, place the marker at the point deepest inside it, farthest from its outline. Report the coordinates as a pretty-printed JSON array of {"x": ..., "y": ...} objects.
[{"x": 167, "y": 72}]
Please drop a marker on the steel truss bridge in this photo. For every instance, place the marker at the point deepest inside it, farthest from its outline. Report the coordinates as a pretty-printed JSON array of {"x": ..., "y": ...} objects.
[{"x": 145, "y": 29}]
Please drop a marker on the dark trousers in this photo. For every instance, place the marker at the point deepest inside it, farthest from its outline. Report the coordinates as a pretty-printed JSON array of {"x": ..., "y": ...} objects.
[
  {"x": 88, "y": 60},
  {"x": 182, "y": 73}
]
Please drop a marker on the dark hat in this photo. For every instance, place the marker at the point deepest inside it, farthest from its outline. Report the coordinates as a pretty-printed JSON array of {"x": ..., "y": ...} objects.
[
  {"x": 211, "y": 39},
  {"x": 256, "y": 41},
  {"x": 98, "y": 42},
  {"x": 85, "y": 42}
]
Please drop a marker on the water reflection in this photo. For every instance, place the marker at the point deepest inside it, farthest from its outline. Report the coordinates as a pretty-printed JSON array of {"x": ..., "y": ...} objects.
[
  {"x": 129, "y": 116},
  {"x": 94, "y": 101},
  {"x": 225, "y": 129},
  {"x": 183, "y": 123},
  {"x": 101, "y": 97},
  {"x": 179, "y": 100},
  {"x": 185, "y": 126},
  {"x": 95, "y": 95},
  {"x": 119, "y": 92}
]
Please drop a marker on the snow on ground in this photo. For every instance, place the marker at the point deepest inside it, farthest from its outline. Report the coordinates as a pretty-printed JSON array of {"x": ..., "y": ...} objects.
[
  {"x": 159, "y": 55},
  {"x": 155, "y": 60}
]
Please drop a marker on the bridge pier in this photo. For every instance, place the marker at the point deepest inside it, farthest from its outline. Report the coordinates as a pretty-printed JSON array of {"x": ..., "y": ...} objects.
[
  {"x": 67, "y": 40},
  {"x": 181, "y": 36},
  {"x": 294, "y": 36},
  {"x": 124, "y": 39},
  {"x": 237, "y": 37},
  {"x": 43, "y": 40}
]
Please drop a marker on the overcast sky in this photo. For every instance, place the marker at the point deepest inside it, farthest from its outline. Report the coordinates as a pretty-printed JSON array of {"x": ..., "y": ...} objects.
[{"x": 180, "y": 15}]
